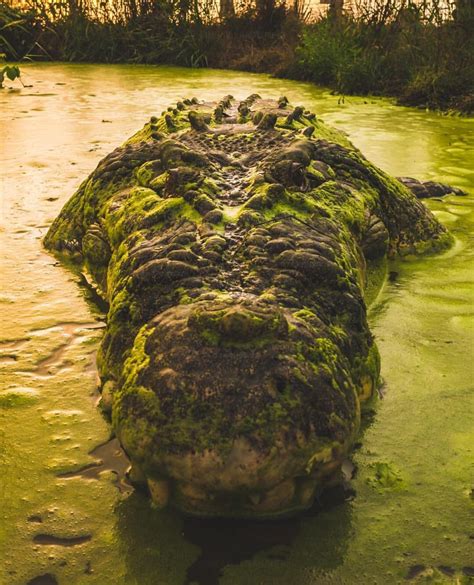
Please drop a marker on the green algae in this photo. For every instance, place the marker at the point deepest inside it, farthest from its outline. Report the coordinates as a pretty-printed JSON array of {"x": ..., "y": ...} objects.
[
  {"x": 385, "y": 477},
  {"x": 424, "y": 417},
  {"x": 237, "y": 328},
  {"x": 17, "y": 396}
]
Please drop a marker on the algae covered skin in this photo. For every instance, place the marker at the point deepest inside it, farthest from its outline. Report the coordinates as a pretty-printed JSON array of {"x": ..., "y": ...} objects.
[{"x": 231, "y": 241}]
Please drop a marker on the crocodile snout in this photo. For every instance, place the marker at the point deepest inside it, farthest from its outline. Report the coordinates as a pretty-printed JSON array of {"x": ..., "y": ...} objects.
[
  {"x": 238, "y": 323},
  {"x": 235, "y": 415}
]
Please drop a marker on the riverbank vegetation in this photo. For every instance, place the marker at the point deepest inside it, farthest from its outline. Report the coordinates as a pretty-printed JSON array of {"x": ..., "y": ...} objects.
[{"x": 422, "y": 52}]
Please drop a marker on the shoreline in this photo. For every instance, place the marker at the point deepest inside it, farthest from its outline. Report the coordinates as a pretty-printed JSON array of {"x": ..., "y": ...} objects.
[{"x": 396, "y": 99}]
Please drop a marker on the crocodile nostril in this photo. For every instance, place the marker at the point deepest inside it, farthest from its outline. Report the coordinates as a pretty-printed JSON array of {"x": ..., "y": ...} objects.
[
  {"x": 241, "y": 325},
  {"x": 238, "y": 324}
]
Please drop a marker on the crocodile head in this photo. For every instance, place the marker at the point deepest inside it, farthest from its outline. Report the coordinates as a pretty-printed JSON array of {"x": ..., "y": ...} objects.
[{"x": 231, "y": 241}]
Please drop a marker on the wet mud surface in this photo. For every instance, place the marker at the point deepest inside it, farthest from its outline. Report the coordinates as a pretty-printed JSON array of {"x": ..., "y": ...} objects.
[
  {"x": 109, "y": 457},
  {"x": 67, "y": 513}
]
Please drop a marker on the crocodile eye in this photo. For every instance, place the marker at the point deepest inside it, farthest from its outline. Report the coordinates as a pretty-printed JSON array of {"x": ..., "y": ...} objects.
[
  {"x": 281, "y": 384},
  {"x": 288, "y": 173},
  {"x": 298, "y": 174}
]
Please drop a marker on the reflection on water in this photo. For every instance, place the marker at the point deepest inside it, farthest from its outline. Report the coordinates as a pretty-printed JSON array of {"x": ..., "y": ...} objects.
[
  {"x": 224, "y": 543},
  {"x": 58, "y": 471},
  {"x": 155, "y": 543}
]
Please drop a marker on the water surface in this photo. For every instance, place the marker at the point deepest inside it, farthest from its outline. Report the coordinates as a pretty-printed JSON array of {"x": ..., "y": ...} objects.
[{"x": 66, "y": 515}]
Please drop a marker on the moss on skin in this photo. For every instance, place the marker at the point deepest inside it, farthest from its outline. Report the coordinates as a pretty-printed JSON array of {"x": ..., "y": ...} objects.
[{"x": 237, "y": 353}]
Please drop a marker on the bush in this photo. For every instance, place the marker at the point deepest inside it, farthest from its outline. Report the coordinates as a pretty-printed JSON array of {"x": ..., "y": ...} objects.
[
  {"x": 429, "y": 63},
  {"x": 335, "y": 56},
  {"x": 434, "y": 88}
]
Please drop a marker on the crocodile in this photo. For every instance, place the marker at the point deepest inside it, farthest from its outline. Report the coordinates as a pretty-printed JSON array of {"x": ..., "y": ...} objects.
[{"x": 233, "y": 242}]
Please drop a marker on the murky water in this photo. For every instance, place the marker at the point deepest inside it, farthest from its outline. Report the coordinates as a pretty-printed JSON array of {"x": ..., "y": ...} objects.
[{"x": 66, "y": 515}]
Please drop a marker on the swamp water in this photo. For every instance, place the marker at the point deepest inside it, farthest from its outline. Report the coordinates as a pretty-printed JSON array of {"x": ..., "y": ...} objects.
[{"x": 66, "y": 514}]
